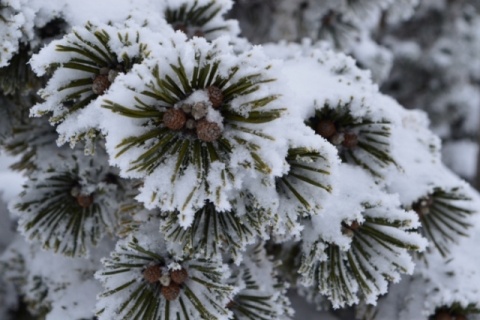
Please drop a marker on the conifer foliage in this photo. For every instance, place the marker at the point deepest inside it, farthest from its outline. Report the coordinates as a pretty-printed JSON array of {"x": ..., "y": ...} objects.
[{"x": 176, "y": 171}]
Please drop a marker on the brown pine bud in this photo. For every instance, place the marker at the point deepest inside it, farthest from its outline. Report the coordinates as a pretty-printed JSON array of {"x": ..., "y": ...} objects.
[
  {"x": 199, "y": 33},
  {"x": 326, "y": 128},
  {"x": 84, "y": 200},
  {"x": 443, "y": 315},
  {"x": 152, "y": 273},
  {"x": 181, "y": 27},
  {"x": 100, "y": 84},
  {"x": 349, "y": 230},
  {"x": 174, "y": 119},
  {"x": 215, "y": 95},
  {"x": 422, "y": 206},
  {"x": 179, "y": 276},
  {"x": 350, "y": 140},
  {"x": 208, "y": 131},
  {"x": 171, "y": 292},
  {"x": 355, "y": 225}
]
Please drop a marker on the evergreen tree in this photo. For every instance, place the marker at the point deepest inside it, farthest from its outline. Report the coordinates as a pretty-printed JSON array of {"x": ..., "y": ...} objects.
[{"x": 174, "y": 170}]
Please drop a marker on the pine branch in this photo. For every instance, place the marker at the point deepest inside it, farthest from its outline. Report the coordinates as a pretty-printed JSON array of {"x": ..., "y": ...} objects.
[
  {"x": 361, "y": 141},
  {"x": 142, "y": 281},
  {"x": 195, "y": 19},
  {"x": 445, "y": 216},
  {"x": 213, "y": 234},
  {"x": 68, "y": 209},
  {"x": 262, "y": 295},
  {"x": 377, "y": 255}
]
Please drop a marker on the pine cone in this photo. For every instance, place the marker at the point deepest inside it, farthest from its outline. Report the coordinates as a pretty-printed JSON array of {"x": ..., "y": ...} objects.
[
  {"x": 350, "y": 140},
  {"x": 208, "y": 131},
  {"x": 215, "y": 95},
  {"x": 171, "y": 292},
  {"x": 443, "y": 315},
  {"x": 84, "y": 201},
  {"x": 174, "y": 119},
  {"x": 100, "y": 84},
  {"x": 326, "y": 128},
  {"x": 153, "y": 273},
  {"x": 179, "y": 276}
]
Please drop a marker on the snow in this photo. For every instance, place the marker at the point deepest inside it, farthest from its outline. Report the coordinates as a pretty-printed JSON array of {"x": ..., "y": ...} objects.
[{"x": 327, "y": 189}]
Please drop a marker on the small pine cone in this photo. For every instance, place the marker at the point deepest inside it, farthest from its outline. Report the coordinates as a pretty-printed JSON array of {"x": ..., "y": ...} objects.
[
  {"x": 208, "y": 131},
  {"x": 181, "y": 27},
  {"x": 349, "y": 230},
  {"x": 422, "y": 206},
  {"x": 460, "y": 317},
  {"x": 179, "y": 276},
  {"x": 100, "y": 84},
  {"x": 443, "y": 315},
  {"x": 85, "y": 201},
  {"x": 152, "y": 273},
  {"x": 355, "y": 225},
  {"x": 174, "y": 119},
  {"x": 350, "y": 140},
  {"x": 326, "y": 128},
  {"x": 186, "y": 107},
  {"x": 215, "y": 95},
  {"x": 171, "y": 292},
  {"x": 199, "y": 33}
]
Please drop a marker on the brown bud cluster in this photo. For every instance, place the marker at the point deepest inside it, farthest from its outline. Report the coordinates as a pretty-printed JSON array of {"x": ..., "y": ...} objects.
[
  {"x": 191, "y": 117},
  {"x": 170, "y": 283},
  {"x": 328, "y": 129}
]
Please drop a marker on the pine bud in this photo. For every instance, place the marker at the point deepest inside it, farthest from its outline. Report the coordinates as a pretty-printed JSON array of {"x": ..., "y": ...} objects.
[
  {"x": 181, "y": 27},
  {"x": 199, "y": 110},
  {"x": 186, "y": 107},
  {"x": 349, "y": 230},
  {"x": 337, "y": 138},
  {"x": 215, "y": 95},
  {"x": 84, "y": 201},
  {"x": 152, "y": 273},
  {"x": 355, "y": 225},
  {"x": 422, "y": 206},
  {"x": 199, "y": 33},
  {"x": 174, "y": 119},
  {"x": 443, "y": 315},
  {"x": 100, "y": 84},
  {"x": 208, "y": 131},
  {"x": 350, "y": 140},
  {"x": 179, "y": 276},
  {"x": 326, "y": 128},
  {"x": 171, "y": 292}
]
